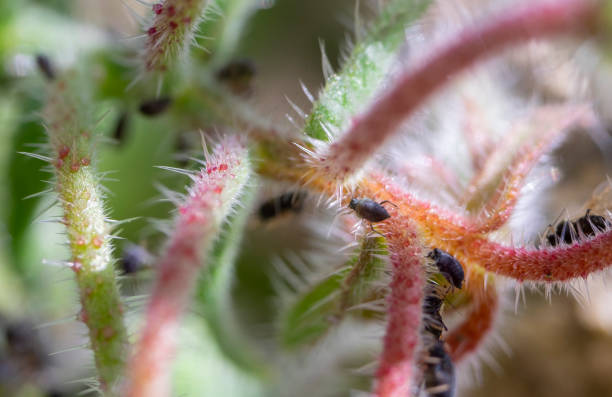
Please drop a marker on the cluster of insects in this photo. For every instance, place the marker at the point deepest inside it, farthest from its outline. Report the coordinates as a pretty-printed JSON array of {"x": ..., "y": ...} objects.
[
  {"x": 569, "y": 232},
  {"x": 438, "y": 368}
]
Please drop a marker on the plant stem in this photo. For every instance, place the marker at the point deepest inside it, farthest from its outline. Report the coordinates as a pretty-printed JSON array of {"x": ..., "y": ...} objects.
[
  {"x": 215, "y": 190},
  {"x": 409, "y": 92},
  {"x": 396, "y": 368},
  {"x": 87, "y": 229},
  {"x": 479, "y": 320}
]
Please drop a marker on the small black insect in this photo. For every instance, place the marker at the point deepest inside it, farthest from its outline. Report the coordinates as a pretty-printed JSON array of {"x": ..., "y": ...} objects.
[
  {"x": 563, "y": 233},
  {"x": 238, "y": 75},
  {"x": 154, "y": 107},
  {"x": 25, "y": 347},
  {"x": 120, "y": 127},
  {"x": 432, "y": 320},
  {"x": 290, "y": 201},
  {"x": 44, "y": 65},
  {"x": 370, "y": 210},
  {"x": 134, "y": 259},
  {"x": 439, "y": 372},
  {"x": 448, "y": 266},
  {"x": 569, "y": 231}
]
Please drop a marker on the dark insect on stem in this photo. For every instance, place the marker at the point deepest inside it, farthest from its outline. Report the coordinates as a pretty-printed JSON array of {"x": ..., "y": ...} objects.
[
  {"x": 439, "y": 372},
  {"x": 569, "y": 232},
  {"x": 452, "y": 271},
  {"x": 155, "y": 107},
  {"x": 432, "y": 320},
  {"x": 290, "y": 201},
  {"x": 448, "y": 266},
  {"x": 237, "y": 75},
  {"x": 370, "y": 210},
  {"x": 134, "y": 259},
  {"x": 46, "y": 68},
  {"x": 121, "y": 126}
]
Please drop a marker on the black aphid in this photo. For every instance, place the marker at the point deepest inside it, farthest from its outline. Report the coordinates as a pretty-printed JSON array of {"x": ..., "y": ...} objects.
[
  {"x": 590, "y": 225},
  {"x": 44, "y": 65},
  {"x": 154, "y": 107},
  {"x": 448, "y": 266},
  {"x": 134, "y": 258},
  {"x": 25, "y": 347},
  {"x": 290, "y": 201},
  {"x": 570, "y": 231},
  {"x": 370, "y": 210},
  {"x": 439, "y": 372},
  {"x": 120, "y": 127},
  {"x": 432, "y": 320},
  {"x": 237, "y": 70}
]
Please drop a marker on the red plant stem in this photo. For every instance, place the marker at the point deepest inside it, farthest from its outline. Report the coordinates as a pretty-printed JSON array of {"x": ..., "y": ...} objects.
[
  {"x": 556, "y": 123},
  {"x": 431, "y": 219},
  {"x": 151, "y": 363},
  {"x": 396, "y": 369},
  {"x": 444, "y": 229},
  {"x": 371, "y": 129},
  {"x": 199, "y": 220},
  {"x": 548, "y": 264},
  {"x": 469, "y": 335}
]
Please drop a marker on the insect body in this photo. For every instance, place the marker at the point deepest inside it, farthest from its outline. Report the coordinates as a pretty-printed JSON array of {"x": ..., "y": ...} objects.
[
  {"x": 45, "y": 66},
  {"x": 570, "y": 231},
  {"x": 134, "y": 258},
  {"x": 439, "y": 372},
  {"x": 432, "y": 320},
  {"x": 237, "y": 75},
  {"x": 290, "y": 201},
  {"x": 120, "y": 128},
  {"x": 448, "y": 266},
  {"x": 370, "y": 210},
  {"x": 153, "y": 107},
  {"x": 438, "y": 369}
]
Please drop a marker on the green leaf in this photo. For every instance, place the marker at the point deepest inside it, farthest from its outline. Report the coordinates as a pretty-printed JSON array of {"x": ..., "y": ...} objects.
[
  {"x": 362, "y": 74},
  {"x": 316, "y": 310}
]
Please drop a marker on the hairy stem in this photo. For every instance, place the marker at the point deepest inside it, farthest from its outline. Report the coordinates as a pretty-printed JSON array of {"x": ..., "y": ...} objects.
[
  {"x": 469, "y": 335},
  {"x": 199, "y": 220},
  {"x": 346, "y": 92},
  {"x": 396, "y": 369},
  {"x": 500, "y": 182},
  {"x": 371, "y": 129},
  {"x": 171, "y": 31},
  {"x": 87, "y": 229},
  {"x": 561, "y": 263}
]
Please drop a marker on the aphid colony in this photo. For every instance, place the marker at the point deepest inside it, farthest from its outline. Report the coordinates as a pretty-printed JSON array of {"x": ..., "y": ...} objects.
[
  {"x": 438, "y": 369},
  {"x": 569, "y": 232}
]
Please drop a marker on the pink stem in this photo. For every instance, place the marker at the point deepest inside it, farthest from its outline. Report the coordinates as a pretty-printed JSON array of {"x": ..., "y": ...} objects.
[
  {"x": 150, "y": 365},
  {"x": 199, "y": 220},
  {"x": 370, "y": 130},
  {"x": 396, "y": 369},
  {"x": 560, "y": 263}
]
